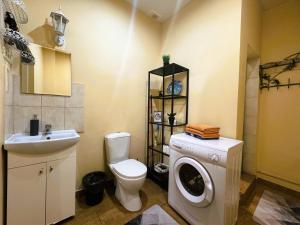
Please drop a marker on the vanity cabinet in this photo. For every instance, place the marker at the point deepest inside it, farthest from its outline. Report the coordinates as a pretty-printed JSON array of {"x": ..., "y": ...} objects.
[
  {"x": 41, "y": 189},
  {"x": 26, "y": 195},
  {"x": 60, "y": 194}
]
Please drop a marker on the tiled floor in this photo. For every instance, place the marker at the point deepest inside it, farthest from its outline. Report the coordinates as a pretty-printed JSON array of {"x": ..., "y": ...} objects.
[
  {"x": 110, "y": 212},
  {"x": 247, "y": 208}
]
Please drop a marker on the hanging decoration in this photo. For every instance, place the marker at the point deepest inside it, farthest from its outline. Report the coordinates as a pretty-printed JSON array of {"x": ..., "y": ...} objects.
[
  {"x": 14, "y": 38},
  {"x": 10, "y": 21},
  {"x": 267, "y": 80},
  {"x": 17, "y": 8},
  {"x": 14, "y": 12}
]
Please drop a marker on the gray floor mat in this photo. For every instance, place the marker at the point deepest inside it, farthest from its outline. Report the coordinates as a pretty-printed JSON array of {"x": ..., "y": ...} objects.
[
  {"x": 273, "y": 209},
  {"x": 155, "y": 215}
]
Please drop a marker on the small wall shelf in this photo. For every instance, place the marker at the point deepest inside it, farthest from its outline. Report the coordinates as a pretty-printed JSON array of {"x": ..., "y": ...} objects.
[
  {"x": 165, "y": 103},
  {"x": 168, "y": 97}
]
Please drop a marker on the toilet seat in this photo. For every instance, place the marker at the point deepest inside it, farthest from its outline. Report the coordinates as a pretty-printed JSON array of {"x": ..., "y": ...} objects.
[{"x": 130, "y": 168}]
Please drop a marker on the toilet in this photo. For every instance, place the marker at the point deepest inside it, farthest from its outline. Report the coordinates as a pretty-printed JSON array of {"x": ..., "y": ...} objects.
[{"x": 130, "y": 174}]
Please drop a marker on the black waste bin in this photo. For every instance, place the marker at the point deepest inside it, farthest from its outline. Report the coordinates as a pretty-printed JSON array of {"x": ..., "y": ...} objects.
[{"x": 94, "y": 187}]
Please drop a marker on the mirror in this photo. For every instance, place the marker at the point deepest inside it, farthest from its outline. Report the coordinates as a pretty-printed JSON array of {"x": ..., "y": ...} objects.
[{"x": 51, "y": 73}]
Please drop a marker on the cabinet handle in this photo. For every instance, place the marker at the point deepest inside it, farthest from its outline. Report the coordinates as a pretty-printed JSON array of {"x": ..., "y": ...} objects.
[
  {"x": 51, "y": 168},
  {"x": 41, "y": 171}
]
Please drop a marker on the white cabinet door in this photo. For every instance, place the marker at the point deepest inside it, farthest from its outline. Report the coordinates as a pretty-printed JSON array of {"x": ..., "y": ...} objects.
[
  {"x": 26, "y": 188},
  {"x": 60, "y": 196}
]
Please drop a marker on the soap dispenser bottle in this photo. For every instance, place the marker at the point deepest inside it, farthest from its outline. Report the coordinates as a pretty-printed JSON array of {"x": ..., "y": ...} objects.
[{"x": 34, "y": 126}]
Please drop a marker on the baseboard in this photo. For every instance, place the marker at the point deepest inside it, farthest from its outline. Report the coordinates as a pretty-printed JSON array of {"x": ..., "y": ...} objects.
[{"x": 279, "y": 181}]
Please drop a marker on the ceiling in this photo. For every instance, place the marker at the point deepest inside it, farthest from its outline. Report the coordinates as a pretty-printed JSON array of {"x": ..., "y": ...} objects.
[
  {"x": 160, "y": 10},
  {"x": 268, "y": 4}
]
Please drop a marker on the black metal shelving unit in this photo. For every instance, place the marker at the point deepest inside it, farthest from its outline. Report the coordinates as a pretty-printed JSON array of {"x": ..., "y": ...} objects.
[{"x": 155, "y": 153}]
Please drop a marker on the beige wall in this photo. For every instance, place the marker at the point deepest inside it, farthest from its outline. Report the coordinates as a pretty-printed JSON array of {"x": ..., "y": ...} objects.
[
  {"x": 205, "y": 37},
  {"x": 251, "y": 26},
  {"x": 2, "y": 67},
  {"x": 279, "y": 110},
  {"x": 111, "y": 54}
]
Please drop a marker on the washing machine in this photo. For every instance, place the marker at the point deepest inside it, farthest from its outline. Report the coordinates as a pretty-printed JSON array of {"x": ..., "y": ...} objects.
[{"x": 204, "y": 179}]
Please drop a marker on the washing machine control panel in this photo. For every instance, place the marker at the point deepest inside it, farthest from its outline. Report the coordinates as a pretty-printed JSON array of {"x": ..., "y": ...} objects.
[
  {"x": 214, "y": 157},
  {"x": 205, "y": 153}
]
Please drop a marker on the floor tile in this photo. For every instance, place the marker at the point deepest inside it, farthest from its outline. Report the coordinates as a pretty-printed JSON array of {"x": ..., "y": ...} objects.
[
  {"x": 245, "y": 218},
  {"x": 83, "y": 219},
  {"x": 111, "y": 212}
]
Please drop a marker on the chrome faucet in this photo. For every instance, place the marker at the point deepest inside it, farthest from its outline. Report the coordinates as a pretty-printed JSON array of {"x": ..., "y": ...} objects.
[{"x": 47, "y": 129}]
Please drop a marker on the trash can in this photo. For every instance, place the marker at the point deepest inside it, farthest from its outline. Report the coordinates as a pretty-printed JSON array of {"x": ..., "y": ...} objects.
[{"x": 94, "y": 187}]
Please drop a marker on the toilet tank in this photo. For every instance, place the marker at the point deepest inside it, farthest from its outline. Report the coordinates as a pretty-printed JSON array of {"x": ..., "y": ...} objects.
[{"x": 117, "y": 146}]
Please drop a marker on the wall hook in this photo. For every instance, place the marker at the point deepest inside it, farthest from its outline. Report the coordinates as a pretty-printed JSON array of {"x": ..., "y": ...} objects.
[{"x": 269, "y": 81}]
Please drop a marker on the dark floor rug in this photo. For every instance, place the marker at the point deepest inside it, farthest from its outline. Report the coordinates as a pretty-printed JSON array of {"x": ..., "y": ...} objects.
[
  {"x": 273, "y": 209},
  {"x": 155, "y": 215}
]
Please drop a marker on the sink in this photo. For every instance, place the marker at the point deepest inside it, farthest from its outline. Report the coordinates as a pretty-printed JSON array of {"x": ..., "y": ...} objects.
[{"x": 40, "y": 144}]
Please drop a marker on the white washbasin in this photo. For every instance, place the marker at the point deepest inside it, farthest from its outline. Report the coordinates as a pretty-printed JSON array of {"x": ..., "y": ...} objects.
[{"x": 40, "y": 144}]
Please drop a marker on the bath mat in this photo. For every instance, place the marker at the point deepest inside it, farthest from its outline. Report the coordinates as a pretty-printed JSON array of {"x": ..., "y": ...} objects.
[
  {"x": 273, "y": 209},
  {"x": 155, "y": 215}
]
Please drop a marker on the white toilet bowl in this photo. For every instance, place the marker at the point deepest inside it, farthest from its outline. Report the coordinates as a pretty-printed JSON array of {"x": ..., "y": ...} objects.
[{"x": 130, "y": 176}]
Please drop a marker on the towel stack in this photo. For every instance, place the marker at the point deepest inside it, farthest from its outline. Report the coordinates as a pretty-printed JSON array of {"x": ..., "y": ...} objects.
[{"x": 203, "y": 131}]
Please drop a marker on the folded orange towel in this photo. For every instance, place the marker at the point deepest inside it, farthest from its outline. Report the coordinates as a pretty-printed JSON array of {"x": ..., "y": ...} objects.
[
  {"x": 204, "y": 128},
  {"x": 205, "y": 136},
  {"x": 202, "y": 134}
]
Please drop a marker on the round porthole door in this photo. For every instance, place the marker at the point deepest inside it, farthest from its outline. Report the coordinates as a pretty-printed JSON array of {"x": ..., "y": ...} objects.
[{"x": 193, "y": 182}]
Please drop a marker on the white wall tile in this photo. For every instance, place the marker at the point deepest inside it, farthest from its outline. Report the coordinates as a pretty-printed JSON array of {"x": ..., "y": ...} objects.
[
  {"x": 251, "y": 106},
  {"x": 24, "y": 99},
  {"x": 54, "y": 101},
  {"x": 250, "y": 68},
  {"x": 250, "y": 125},
  {"x": 77, "y": 98},
  {"x": 250, "y": 120},
  {"x": 50, "y": 109},
  {"x": 248, "y": 149},
  {"x": 252, "y": 87},
  {"x": 22, "y": 117},
  {"x": 253, "y": 68},
  {"x": 249, "y": 163},
  {"x": 9, "y": 121},
  {"x": 74, "y": 119},
  {"x": 250, "y": 143},
  {"x": 54, "y": 116},
  {"x": 9, "y": 91}
]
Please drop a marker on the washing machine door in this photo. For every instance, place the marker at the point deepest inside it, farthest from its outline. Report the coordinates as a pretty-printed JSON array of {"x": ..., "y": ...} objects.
[{"x": 193, "y": 181}]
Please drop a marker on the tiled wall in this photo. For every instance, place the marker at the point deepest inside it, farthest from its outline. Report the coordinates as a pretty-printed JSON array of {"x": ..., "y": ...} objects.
[
  {"x": 61, "y": 112},
  {"x": 250, "y": 119}
]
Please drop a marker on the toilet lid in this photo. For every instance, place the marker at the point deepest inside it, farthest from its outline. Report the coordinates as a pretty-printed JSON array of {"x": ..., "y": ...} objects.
[{"x": 130, "y": 168}]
